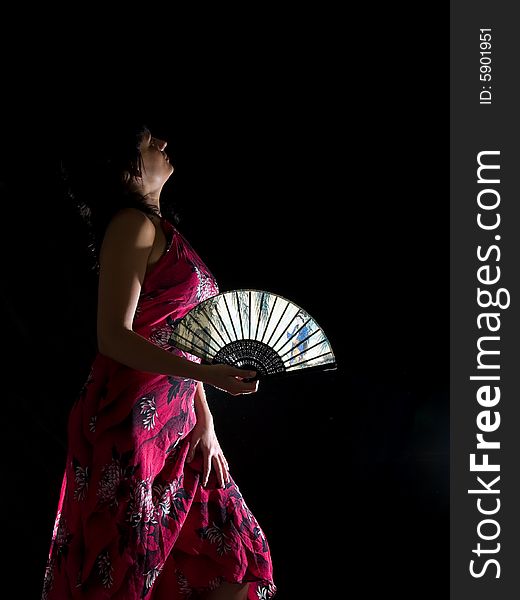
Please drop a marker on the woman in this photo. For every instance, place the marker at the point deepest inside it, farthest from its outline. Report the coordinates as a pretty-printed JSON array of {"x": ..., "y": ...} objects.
[{"x": 148, "y": 508}]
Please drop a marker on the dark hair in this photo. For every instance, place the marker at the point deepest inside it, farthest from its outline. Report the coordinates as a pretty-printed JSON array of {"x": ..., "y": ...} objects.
[{"x": 93, "y": 181}]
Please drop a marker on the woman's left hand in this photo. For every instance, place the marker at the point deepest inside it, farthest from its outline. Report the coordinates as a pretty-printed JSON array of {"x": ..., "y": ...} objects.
[{"x": 205, "y": 438}]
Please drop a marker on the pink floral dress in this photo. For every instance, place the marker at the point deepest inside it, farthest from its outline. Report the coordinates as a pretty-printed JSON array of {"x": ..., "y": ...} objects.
[{"x": 133, "y": 521}]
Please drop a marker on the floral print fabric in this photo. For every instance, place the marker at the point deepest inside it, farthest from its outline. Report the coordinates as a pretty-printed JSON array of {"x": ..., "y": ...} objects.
[{"x": 133, "y": 521}]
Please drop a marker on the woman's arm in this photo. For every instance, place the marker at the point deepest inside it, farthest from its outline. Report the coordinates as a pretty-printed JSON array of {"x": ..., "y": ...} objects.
[
  {"x": 132, "y": 349},
  {"x": 204, "y": 438},
  {"x": 124, "y": 255},
  {"x": 123, "y": 261},
  {"x": 201, "y": 404}
]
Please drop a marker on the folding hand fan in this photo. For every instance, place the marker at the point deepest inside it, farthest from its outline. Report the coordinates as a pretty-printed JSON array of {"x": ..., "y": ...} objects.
[{"x": 254, "y": 329}]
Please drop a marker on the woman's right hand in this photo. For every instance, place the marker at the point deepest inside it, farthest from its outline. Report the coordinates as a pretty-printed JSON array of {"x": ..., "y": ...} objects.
[{"x": 229, "y": 379}]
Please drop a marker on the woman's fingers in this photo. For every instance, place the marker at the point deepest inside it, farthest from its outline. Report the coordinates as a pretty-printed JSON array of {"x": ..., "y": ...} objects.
[
  {"x": 246, "y": 387},
  {"x": 192, "y": 448},
  {"x": 220, "y": 470},
  {"x": 226, "y": 469},
  {"x": 219, "y": 463},
  {"x": 206, "y": 469}
]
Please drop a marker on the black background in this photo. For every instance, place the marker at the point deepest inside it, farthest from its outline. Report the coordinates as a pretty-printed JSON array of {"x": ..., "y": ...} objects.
[{"x": 311, "y": 160}]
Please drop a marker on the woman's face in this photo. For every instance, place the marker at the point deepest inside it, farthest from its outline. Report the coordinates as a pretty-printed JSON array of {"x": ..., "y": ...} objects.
[{"x": 156, "y": 167}]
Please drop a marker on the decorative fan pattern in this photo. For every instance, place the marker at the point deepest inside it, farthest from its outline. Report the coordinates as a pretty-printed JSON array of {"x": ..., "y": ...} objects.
[{"x": 254, "y": 329}]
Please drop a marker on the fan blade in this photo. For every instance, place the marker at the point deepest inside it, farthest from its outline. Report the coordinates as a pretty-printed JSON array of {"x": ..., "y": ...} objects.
[{"x": 254, "y": 329}]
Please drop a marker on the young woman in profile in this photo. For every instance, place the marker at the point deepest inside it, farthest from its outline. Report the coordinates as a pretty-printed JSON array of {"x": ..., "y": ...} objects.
[{"x": 148, "y": 509}]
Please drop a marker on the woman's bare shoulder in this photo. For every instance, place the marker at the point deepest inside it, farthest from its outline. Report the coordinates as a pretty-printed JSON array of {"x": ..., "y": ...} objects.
[{"x": 129, "y": 227}]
